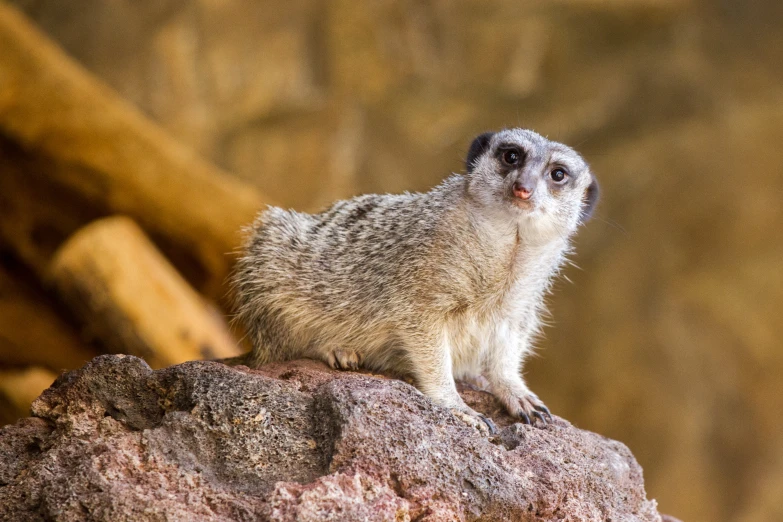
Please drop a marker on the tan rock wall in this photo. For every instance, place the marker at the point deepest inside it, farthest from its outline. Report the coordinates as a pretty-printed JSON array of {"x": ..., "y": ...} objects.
[{"x": 670, "y": 338}]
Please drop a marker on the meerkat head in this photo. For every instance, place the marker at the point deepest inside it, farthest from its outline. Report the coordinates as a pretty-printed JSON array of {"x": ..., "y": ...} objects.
[{"x": 543, "y": 185}]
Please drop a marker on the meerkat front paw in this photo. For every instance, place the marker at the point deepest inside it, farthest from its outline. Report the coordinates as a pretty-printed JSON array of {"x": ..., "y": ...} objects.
[
  {"x": 529, "y": 408},
  {"x": 475, "y": 420},
  {"x": 522, "y": 403},
  {"x": 342, "y": 359}
]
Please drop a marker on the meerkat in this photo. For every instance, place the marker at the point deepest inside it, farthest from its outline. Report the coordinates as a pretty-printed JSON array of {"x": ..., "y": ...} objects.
[{"x": 443, "y": 285}]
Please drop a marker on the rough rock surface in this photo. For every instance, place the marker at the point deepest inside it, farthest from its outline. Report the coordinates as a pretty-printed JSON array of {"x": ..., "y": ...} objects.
[{"x": 296, "y": 441}]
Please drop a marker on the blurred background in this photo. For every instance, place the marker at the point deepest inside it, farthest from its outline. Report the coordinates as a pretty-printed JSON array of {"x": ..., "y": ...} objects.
[{"x": 185, "y": 117}]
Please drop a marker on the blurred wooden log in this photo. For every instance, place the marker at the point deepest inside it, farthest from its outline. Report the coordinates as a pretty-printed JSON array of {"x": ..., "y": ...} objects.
[
  {"x": 133, "y": 300},
  {"x": 31, "y": 331},
  {"x": 103, "y": 149},
  {"x": 18, "y": 390},
  {"x": 38, "y": 214}
]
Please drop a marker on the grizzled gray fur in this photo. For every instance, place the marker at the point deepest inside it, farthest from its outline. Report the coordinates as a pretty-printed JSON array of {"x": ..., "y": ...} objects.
[{"x": 441, "y": 285}]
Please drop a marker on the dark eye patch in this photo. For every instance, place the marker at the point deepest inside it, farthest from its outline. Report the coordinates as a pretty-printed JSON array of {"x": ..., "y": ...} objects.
[{"x": 510, "y": 156}]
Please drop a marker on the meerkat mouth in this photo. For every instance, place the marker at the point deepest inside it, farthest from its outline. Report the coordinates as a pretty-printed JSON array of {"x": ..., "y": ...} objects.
[{"x": 522, "y": 199}]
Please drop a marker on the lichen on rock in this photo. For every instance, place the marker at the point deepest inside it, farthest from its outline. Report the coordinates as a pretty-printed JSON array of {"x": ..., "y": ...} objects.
[{"x": 295, "y": 441}]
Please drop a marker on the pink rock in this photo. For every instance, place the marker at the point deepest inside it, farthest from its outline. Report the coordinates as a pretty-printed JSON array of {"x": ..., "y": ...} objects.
[{"x": 295, "y": 441}]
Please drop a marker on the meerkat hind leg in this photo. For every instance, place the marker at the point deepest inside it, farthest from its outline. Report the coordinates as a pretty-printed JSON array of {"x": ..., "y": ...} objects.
[{"x": 343, "y": 359}]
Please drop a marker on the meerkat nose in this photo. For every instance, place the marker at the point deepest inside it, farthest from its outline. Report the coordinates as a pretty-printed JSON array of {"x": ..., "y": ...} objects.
[{"x": 521, "y": 191}]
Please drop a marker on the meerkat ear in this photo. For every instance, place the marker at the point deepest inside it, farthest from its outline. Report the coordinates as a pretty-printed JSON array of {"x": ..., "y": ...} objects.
[
  {"x": 477, "y": 148},
  {"x": 589, "y": 201}
]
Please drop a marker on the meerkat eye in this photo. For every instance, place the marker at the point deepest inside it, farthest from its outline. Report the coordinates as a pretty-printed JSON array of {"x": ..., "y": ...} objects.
[
  {"x": 511, "y": 157},
  {"x": 558, "y": 175}
]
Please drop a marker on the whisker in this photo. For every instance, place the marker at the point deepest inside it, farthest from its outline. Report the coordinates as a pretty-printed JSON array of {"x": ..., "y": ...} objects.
[{"x": 611, "y": 223}]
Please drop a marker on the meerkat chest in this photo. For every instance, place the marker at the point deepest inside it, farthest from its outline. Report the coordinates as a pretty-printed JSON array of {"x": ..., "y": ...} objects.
[
  {"x": 477, "y": 333},
  {"x": 504, "y": 318},
  {"x": 473, "y": 338}
]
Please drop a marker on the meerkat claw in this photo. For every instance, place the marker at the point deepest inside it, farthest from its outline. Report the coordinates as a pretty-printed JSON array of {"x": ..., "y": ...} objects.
[
  {"x": 491, "y": 425},
  {"x": 524, "y": 417},
  {"x": 544, "y": 410},
  {"x": 475, "y": 420},
  {"x": 538, "y": 414}
]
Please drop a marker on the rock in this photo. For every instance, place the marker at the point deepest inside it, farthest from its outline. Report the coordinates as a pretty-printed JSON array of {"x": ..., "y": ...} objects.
[{"x": 295, "y": 441}]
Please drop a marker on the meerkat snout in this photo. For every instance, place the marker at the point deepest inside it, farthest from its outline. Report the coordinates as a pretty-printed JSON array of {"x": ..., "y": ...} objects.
[{"x": 523, "y": 190}]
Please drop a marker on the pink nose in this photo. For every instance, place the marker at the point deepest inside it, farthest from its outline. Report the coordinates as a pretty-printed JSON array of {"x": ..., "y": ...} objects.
[{"x": 521, "y": 191}]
